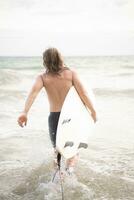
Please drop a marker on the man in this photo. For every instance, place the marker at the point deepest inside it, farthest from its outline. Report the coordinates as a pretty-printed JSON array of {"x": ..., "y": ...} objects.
[{"x": 57, "y": 80}]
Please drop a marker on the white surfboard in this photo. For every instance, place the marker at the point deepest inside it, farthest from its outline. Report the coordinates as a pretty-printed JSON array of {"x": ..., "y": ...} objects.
[{"x": 74, "y": 126}]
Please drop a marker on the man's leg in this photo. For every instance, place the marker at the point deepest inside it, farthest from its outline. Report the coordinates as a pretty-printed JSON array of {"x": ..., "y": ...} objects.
[
  {"x": 55, "y": 158},
  {"x": 71, "y": 162},
  {"x": 52, "y": 123}
]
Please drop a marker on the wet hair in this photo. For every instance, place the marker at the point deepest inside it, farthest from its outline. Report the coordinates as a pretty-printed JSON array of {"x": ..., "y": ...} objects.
[{"x": 52, "y": 60}]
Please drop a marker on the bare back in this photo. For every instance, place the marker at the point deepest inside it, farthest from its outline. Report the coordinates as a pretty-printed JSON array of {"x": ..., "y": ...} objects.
[{"x": 57, "y": 87}]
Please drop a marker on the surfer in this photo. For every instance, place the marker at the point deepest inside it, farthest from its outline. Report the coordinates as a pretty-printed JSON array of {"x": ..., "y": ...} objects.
[{"x": 57, "y": 80}]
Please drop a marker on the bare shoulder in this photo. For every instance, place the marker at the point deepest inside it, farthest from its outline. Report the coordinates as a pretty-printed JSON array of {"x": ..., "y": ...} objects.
[
  {"x": 38, "y": 77},
  {"x": 42, "y": 76},
  {"x": 39, "y": 80},
  {"x": 75, "y": 74},
  {"x": 78, "y": 82}
]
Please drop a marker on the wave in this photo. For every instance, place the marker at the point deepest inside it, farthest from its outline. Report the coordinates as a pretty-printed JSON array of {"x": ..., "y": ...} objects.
[
  {"x": 121, "y": 74},
  {"x": 20, "y": 63},
  {"x": 31, "y": 67},
  {"x": 128, "y": 66},
  {"x": 8, "y": 77},
  {"x": 8, "y": 95},
  {"x": 111, "y": 92}
]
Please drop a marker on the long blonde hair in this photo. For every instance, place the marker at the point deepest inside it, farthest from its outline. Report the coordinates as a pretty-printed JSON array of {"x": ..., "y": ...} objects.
[{"x": 52, "y": 60}]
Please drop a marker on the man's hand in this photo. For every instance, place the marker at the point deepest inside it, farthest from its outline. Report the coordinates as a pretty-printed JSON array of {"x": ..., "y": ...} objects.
[{"x": 22, "y": 119}]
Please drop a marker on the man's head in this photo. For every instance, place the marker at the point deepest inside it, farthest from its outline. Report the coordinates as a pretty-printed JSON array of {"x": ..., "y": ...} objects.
[{"x": 52, "y": 60}]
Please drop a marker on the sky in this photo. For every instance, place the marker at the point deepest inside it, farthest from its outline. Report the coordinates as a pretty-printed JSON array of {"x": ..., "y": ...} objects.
[{"x": 75, "y": 27}]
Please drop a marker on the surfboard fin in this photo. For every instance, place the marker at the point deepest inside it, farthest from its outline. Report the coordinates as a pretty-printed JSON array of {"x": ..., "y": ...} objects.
[
  {"x": 69, "y": 143},
  {"x": 83, "y": 145}
]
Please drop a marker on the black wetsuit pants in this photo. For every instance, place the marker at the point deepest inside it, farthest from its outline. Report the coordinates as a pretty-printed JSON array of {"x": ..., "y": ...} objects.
[{"x": 52, "y": 124}]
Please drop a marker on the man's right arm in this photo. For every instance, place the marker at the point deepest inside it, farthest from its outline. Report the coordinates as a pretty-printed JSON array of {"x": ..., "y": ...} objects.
[
  {"x": 83, "y": 94},
  {"x": 37, "y": 86}
]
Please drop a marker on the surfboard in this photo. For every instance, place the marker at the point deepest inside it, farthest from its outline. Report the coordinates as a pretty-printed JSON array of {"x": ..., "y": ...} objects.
[{"x": 74, "y": 126}]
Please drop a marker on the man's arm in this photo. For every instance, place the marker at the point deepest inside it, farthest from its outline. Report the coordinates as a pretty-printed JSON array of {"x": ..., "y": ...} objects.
[
  {"x": 37, "y": 86},
  {"x": 83, "y": 95}
]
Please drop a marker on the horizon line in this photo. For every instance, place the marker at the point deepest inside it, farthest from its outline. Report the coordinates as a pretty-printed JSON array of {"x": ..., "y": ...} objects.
[{"x": 99, "y": 55}]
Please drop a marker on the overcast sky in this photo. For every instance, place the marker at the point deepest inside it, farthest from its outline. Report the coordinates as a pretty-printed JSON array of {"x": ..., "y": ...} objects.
[{"x": 76, "y": 27}]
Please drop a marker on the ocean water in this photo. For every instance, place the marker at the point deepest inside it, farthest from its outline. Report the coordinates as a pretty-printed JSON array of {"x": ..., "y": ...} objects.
[{"x": 105, "y": 170}]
